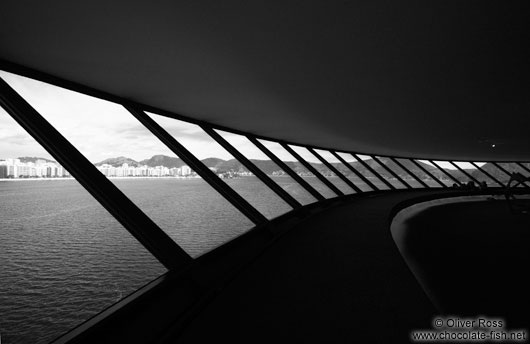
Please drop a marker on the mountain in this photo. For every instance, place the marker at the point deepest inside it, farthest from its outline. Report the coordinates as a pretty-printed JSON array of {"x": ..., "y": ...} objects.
[
  {"x": 230, "y": 165},
  {"x": 267, "y": 166},
  {"x": 26, "y": 159},
  {"x": 222, "y": 166},
  {"x": 395, "y": 167},
  {"x": 499, "y": 174},
  {"x": 212, "y": 162},
  {"x": 116, "y": 162},
  {"x": 163, "y": 160}
]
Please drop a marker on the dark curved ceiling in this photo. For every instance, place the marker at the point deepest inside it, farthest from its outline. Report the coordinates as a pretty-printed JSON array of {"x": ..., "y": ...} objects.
[{"x": 444, "y": 79}]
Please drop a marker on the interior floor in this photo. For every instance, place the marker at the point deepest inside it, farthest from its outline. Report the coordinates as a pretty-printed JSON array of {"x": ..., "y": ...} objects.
[{"x": 338, "y": 277}]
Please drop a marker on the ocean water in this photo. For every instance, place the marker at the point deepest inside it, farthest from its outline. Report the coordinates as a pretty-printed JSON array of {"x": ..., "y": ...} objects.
[{"x": 64, "y": 258}]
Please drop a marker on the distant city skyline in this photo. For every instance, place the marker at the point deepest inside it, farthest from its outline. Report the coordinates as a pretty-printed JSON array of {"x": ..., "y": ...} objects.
[
  {"x": 102, "y": 130},
  {"x": 16, "y": 168},
  {"x": 40, "y": 168},
  {"x": 97, "y": 128}
]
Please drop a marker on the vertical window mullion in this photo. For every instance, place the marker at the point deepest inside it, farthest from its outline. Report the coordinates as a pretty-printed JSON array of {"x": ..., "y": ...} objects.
[
  {"x": 357, "y": 173},
  {"x": 252, "y": 168},
  {"x": 369, "y": 168},
  {"x": 334, "y": 170},
  {"x": 395, "y": 175},
  {"x": 508, "y": 173},
  {"x": 445, "y": 172},
  {"x": 523, "y": 166},
  {"x": 433, "y": 177},
  {"x": 487, "y": 174},
  {"x": 286, "y": 169},
  {"x": 211, "y": 178},
  {"x": 312, "y": 170},
  {"x": 396, "y": 161},
  {"x": 107, "y": 194},
  {"x": 465, "y": 173}
]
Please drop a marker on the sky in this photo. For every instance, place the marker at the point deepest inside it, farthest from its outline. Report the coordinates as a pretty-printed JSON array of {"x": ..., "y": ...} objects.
[
  {"x": 97, "y": 128},
  {"x": 100, "y": 129}
]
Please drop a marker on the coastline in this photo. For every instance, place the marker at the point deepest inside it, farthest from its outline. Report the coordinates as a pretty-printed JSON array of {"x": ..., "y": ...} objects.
[
  {"x": 71, "y": 178},
  {"x": 142, "y": 178}
]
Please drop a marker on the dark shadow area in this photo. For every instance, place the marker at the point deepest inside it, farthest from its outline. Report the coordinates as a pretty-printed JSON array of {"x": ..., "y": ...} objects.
[
  {"x": 337, "y": 277},
  {"x": 472, "y": 258}
]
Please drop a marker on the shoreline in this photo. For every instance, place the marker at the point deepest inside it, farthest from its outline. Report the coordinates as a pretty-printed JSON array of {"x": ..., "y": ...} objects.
[
  {"x": 150, "y": 178},
  {"x": 71, "y": 178}
]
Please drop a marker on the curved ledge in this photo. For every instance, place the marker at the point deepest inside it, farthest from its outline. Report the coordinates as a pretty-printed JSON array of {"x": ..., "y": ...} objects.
[
  {"x": 469, "y": 252},
  {"x": 333, "y": 264},
  {"x": 172, "y": 305},
  {"x": 327, "y": 271}
]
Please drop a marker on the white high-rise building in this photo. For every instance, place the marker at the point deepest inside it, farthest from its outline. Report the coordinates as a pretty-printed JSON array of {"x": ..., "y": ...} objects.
[{"x": 185, "y": 170}]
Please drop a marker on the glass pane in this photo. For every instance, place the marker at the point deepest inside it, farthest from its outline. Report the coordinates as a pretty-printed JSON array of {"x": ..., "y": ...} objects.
[
  {"x": 510, "y": 167},
  {"x": 352, "y": 162},
  {"x": 330, "y": 158},
  {"x": 475, "y": 173},
  {"x": 453, "y": 171},
  {"x": 251, "y": 152},
  {"x": 63, "y": 257},
  {"x": 490, "y": 169},
  {"x": 190, "y": 211},
  {"x": 375, "y": 166},
  {"x": 385, "y": 162},
  {"x": 298, "y": 168},
  {"x": 418, "y": 172},
  {"x": 527, "y": 168},
  {"x": 406, "y": 176},
  {"x": 229, "y": 169},
  {"x": 435, "y": 171},
  {"x": 322, "y": 169}
]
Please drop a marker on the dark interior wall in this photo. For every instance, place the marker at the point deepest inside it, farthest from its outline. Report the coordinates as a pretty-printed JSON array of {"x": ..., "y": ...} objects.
[{"x": 424, "y": 79}]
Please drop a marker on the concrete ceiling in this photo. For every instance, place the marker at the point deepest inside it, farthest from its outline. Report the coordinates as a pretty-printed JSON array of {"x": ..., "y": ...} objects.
[{"x": 444, "y": 79}]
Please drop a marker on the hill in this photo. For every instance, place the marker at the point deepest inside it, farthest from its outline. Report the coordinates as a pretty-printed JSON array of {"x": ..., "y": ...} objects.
[
  {"x": 116, "y": 162},
  {"x": 163, "y": 160},
  {"x": 26, "y": 159},
  {"x": 499, "y": 174},
  {"x": 267, "y": 166}
]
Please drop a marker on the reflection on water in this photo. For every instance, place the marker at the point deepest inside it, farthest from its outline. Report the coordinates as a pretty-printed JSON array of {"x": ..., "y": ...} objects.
[{"x": 64, "y": 258}]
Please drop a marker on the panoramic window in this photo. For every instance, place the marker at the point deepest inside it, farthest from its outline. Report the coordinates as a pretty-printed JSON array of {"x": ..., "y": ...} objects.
[
  {"x": 525, "y": 167},
  {"x": 507, "y": 168},
  {"x": 183, "y": 205},
  {"x": 378, "y": 179},
  {"x": 322, "y": 169},
  {"x": 360, "y": 166},
  {"x": 64, "y": 258},
  {"x": 343, "y": 170},
  {"x": 387, "y": 167},
  {"x": 222, "y": 163},
  {"x": 360, "y": 179},
  {"x": 406, "y": 176},
  {"x": 475, "y": 174},
  {"x": 413, "y": 169},
  {"x": 438, "y": 172},
  {"x": 490, "y": 173},
  {"x": 298, "y": 168},
  {"x": 452, "y": 171},
  {"x": 256, "y": 156}
]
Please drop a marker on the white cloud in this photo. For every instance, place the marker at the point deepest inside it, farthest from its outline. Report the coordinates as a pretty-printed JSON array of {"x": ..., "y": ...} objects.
[{"x": 100, "y": 129}]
